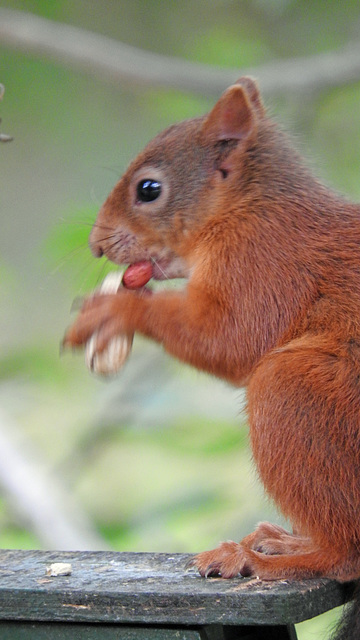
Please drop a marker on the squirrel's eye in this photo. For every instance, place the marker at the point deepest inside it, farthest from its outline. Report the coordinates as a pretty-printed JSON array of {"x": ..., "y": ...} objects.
[{"x": 148, "y": 190}]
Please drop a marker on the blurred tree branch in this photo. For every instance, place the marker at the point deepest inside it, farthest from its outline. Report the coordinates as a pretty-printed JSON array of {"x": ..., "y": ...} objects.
[
  {"x": 118, "y": 62},
  {"x": 38, "y": 497}
]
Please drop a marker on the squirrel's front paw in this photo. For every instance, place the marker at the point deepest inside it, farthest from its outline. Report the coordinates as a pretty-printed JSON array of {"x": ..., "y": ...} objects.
[
  {"x": 100, "y": 314},
  {"x": 228, "y": 560},
  {"x": 105, "y": 324},
  {"x": 99, "y": 327}
]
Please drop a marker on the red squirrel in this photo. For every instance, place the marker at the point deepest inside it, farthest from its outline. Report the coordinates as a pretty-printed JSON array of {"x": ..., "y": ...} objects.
[{"x": 271, "y": 303}]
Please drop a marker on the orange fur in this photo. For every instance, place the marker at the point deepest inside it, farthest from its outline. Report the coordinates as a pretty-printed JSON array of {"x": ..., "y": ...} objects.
[{"x": 272, "y": 301}]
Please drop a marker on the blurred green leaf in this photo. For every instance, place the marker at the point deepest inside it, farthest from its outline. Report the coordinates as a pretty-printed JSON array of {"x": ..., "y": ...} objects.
[
  {"x": 219, "y": 47},
  {"x": 34, "y": 363},
  {"x": 200, "y": 436},
  {"x": 66, "y": 250},
  {"x": 337, "y": 126}
]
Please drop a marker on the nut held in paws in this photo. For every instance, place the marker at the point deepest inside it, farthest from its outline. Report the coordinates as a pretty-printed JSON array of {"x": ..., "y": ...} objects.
[{"x": 109, "y": 361}]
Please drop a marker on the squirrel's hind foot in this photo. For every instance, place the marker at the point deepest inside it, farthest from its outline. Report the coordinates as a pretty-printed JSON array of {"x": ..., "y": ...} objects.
[{"x": 270, "y": 553}]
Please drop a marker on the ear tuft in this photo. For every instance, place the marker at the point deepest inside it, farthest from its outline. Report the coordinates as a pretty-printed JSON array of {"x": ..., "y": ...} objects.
[
  {"x": 233, "y": 117},
  {"x": 251, "y": 87}
]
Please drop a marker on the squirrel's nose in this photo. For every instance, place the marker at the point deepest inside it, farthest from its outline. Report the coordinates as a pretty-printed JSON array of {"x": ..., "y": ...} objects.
[
  {"x": 96, "y": 250},
  {"x": 95, "y": 242}
]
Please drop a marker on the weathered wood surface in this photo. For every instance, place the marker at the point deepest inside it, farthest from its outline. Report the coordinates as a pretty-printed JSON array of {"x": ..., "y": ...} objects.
[{"x": 150, "y": 589}]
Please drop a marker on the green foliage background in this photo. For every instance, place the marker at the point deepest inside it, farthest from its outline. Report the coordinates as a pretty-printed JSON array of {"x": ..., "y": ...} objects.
[{"x": 162, "y": 465}]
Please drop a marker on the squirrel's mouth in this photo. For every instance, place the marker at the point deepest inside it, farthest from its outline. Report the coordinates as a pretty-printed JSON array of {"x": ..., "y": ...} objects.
[
  {"x": 138, "y": 273},
  {"x": 123, "y": 247}
]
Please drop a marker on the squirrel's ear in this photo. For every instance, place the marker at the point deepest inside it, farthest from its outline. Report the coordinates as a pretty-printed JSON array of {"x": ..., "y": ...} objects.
[
  {"x": 233, "y": 117},
  {"x": 252, "y": 90}
]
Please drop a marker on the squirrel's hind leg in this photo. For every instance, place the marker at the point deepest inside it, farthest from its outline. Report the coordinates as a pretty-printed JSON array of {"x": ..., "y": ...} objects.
[
  {"x": 230, "y": 559},
  {"x": 275, "y": 540}
]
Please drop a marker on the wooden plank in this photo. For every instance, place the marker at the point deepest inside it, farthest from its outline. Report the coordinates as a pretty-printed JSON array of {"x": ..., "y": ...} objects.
[{"x": 150, "y": 589}]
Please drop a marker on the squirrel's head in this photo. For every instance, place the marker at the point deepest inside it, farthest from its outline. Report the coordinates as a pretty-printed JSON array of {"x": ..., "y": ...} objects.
[{"x": 177, "y": 183}]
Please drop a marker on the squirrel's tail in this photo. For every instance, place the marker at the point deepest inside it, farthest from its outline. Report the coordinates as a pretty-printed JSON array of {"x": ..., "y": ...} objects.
[{"x": 349, "y": 627}]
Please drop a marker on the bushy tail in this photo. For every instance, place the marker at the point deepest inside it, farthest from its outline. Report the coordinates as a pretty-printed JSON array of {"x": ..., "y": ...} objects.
[{"x": 349, "y": 627}]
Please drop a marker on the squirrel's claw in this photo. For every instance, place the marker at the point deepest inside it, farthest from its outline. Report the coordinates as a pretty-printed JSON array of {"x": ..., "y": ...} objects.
[{"x": 228, "y": 560}]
